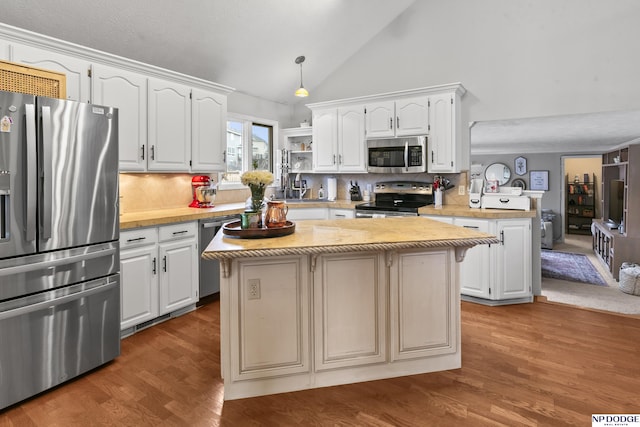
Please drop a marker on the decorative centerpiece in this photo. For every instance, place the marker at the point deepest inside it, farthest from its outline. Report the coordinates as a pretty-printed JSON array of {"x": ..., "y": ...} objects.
[{"x": 257, "y": 181}]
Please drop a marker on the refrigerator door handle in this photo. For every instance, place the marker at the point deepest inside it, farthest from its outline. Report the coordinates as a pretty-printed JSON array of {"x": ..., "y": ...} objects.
[
  {"x": 52, "y": 263},
  {"x": 47, "y": 142},
  {"x": 31, "y": 172},
  {"x": 75, "y": 292}
]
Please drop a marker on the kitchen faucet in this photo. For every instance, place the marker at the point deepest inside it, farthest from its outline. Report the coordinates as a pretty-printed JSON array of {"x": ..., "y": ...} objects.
[{"x": 302, "y": 189}]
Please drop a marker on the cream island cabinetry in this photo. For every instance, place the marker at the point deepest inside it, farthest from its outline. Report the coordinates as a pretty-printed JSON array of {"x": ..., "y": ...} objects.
[{"x": 339, "y": 301}]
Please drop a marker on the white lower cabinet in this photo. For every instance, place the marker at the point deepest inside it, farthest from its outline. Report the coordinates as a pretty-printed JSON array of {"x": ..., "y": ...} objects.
[
  {"x": 512, "y": 259},
  {"x": 499, "y": 273},
  {"x": 138, "y": 276},
  {"x": 159, "y": 271},
  {"x": 295, "y": 214},
  {"x": 335, "y": 213},
  {"x": 475, "y": 269}
]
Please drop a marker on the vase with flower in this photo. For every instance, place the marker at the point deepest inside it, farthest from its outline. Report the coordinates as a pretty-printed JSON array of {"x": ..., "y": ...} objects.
[{"x": 257, "y": 181}]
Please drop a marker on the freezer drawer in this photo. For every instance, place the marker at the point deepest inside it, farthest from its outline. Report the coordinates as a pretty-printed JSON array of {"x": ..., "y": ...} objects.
[
  {"x": 43, "y": 272},
  {"x": 51, "y": 337}
]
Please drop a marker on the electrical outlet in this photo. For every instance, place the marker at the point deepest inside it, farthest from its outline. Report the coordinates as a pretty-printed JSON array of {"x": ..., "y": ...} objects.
[
  {"x": 253, "y": 289},
  {"x": 461, "y": 190}
]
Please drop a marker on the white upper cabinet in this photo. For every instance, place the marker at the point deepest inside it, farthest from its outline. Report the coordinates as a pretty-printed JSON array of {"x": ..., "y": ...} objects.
[
  {"x": 380, "y": 119},
  {"x": 412, "y": 116},
  {"x": 351, "y": 143},
  {"x": 75, "y": 68},
  {"x": 128, "y": 92},
  {"x": 168, "y": 122},
  {"x": 442, "y": 135},
  {"x": 403, "y": 117},
  {"x": 433, "y": 111},
  {"x": 338, "y": 140},
  {"x": 209, "y": 131},
  {"x": 325, "y": 138},
  {"x": 169, "y": 126}
]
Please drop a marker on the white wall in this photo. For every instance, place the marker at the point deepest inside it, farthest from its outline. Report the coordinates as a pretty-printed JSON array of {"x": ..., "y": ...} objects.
[
  {"x": 517, "y": 58},
  {"x": 241, "y": 103}
]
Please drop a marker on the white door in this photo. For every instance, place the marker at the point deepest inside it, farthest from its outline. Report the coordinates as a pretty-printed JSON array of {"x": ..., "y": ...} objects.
[
  {"x": 474, "y": 269},
  {"x": 179, "y": 274},
  {"x": 325, "y": 140},
  {"x": 169, "y": 126},
  {"x": 139, "y": 285},
  {"x": 351, "y": 143},
  {"x": 441, "y": 143},
  {"x": 380, "y": 119},
  {"x": 513, "y": 259},
  {"x": 412, "y": 116},
  {"x": 126, "y": 91},
  {"x": 209, "y": 131},
  {"x": 76, "y": 69}
]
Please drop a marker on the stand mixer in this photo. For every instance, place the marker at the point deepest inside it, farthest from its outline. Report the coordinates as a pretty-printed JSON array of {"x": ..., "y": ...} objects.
[{"x": 203, "y": 192}]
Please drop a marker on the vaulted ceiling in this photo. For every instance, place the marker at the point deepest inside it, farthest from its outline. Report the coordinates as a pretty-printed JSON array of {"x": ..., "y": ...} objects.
[{"x": 250, "y": 45}]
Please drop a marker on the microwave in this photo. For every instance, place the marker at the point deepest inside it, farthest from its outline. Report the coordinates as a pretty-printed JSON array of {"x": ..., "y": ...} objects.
[{"x": 397, "y": 155}]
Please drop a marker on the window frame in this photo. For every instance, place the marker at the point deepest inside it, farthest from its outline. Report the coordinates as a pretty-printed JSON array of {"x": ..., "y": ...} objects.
[{"x": 247, "y": 123}]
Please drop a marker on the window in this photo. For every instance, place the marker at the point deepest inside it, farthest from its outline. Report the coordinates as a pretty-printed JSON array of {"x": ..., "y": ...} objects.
[{"x": 250, "y": 145}]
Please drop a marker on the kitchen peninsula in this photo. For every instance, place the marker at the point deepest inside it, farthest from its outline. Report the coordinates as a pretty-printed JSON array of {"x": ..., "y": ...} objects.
[{"x": 340, "y": 301}]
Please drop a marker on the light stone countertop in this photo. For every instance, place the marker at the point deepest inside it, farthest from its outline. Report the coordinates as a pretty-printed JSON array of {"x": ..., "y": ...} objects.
[
  {"x": 466, "y": 211},
  {"x": 350, "y": 235},
  {"x": 169, "y": 216}
]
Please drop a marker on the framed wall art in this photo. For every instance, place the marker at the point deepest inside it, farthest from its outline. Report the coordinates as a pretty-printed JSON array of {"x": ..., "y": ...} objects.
[
  {"x": 539, "y": 180},
  {"x": 520, "y": 166}
]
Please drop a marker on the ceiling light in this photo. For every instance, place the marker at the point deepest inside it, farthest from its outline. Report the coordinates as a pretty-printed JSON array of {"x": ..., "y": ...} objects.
[{"x": 301, "y": 92}]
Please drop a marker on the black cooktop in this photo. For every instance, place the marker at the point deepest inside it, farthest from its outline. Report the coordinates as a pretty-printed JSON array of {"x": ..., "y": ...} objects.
[
  {"x": 397, "y": 202},
  {"x": 399, "y": 196},
  {"x": 400, "y": 207}
]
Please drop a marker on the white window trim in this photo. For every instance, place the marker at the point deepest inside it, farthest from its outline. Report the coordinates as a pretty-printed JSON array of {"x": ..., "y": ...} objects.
[{"x": 246, "y": 155}]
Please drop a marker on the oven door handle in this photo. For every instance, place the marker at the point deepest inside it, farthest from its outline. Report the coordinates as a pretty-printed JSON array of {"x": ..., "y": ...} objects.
[{"x": 406, "y": 155}]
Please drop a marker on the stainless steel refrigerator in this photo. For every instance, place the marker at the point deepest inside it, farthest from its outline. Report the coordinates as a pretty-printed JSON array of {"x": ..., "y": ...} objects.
[{"x": 59, "y": 230}]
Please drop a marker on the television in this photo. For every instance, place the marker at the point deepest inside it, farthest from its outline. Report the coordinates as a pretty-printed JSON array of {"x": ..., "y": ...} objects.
[{"x": 616, "y": 201}]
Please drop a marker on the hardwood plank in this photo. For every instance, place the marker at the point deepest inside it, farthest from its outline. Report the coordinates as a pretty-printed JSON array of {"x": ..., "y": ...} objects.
[{"x": 535, "y": 364}]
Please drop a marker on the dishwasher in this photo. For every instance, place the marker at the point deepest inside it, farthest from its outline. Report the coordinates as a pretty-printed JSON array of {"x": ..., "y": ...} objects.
[{"x": 210, "y": 268}]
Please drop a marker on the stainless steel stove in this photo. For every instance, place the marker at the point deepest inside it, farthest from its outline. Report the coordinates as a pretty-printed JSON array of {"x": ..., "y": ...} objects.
[{"x": 396, "y": 198}]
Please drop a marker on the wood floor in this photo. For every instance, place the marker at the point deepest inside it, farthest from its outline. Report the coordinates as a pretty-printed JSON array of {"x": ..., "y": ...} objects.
[{"x": 523, "y": 365}]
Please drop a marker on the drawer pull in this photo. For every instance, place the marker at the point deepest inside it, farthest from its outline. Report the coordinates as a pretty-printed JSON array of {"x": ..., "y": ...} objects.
[
  {"x": 504, "y": 200},
  {"x": 137, "y": 239},
  {"x": 175, "y": 233},
  {"x": 471, "y": 226}
]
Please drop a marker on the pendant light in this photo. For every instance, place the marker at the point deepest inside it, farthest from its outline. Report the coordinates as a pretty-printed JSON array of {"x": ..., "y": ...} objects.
[{"x": 301, "y": 92}]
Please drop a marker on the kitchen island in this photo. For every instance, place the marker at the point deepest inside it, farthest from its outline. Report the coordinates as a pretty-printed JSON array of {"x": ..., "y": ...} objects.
[{"x": 340, "y": 301}]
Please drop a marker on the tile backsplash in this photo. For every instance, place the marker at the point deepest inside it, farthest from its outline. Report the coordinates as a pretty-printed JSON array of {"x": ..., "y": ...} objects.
[{"x": 153, "y": 191}]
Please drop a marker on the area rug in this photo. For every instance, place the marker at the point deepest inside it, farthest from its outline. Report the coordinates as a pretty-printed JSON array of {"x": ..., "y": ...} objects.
[{"x": 571, "y": 267}]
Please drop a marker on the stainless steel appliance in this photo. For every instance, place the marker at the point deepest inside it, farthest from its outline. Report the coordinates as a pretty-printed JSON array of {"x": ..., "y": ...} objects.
[
  {"x": 397, "y": 155},
  {"x": 396, "y": 198},
  {"x": 210, "y": 268},
  {"x": 59, "y": 230}
]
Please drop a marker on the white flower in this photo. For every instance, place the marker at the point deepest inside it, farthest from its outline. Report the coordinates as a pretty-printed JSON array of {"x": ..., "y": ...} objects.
[{"x": 260, "y": 178}]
